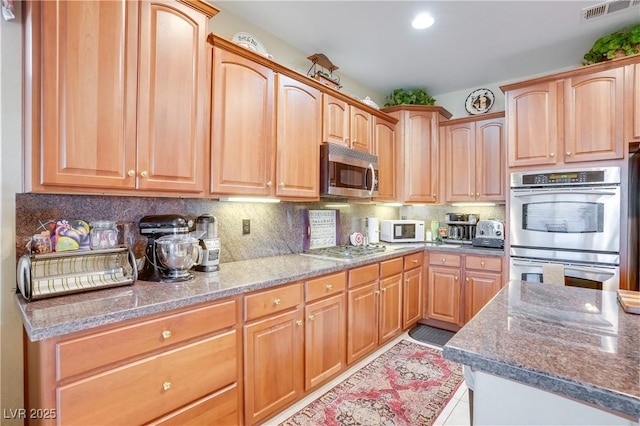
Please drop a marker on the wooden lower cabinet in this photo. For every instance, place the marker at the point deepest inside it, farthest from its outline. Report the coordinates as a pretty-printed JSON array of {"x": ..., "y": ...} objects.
[
  {"x": 483, "y": 279},
  {"x": 374, "y": 307},
  {"x": 458, "y": 286},
  {"x": 165, "y": 368},
  {"x": 412, "y": 290}
]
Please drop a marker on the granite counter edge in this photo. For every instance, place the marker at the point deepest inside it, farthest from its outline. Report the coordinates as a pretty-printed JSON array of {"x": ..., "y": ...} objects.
[{"x": 605, "y": 399}]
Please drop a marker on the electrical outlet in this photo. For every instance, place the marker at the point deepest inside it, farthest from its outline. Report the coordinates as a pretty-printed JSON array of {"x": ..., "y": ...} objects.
[{"x": 246, "y": 226}]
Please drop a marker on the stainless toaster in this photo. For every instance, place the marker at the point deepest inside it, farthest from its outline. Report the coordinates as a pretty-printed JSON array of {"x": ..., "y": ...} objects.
[{"x": 489, "y": 233}]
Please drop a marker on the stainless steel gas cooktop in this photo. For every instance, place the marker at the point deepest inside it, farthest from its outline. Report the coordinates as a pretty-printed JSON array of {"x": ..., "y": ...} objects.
[{"x": 346, "y": 252}]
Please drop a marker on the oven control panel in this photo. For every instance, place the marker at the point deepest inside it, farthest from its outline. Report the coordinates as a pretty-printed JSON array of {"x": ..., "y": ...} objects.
[{"x": 593, "y": 176}]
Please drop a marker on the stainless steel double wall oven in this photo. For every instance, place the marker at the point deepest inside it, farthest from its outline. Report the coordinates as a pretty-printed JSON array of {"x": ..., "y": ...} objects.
[{"x": 569, "y": 218}]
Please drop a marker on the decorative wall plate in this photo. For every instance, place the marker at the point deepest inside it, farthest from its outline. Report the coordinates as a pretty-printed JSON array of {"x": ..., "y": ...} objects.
[
  {"x": 250, "y": 42},
  {"x": 479, "y": 101}
]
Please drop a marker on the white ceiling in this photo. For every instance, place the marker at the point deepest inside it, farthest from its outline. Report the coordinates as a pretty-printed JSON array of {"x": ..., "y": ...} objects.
[{"x": 471, "y": 44}]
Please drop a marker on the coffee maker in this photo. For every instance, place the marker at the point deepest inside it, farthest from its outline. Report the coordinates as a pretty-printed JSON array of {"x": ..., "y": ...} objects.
[
  {"x": 462, "y": 227},
  {"x": 207, "y": 229},
  {"x": 154, "y": 227}
]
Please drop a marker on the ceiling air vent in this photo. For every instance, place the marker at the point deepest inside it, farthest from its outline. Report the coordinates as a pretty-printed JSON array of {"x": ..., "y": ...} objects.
[{"x": 607, "y": 8}]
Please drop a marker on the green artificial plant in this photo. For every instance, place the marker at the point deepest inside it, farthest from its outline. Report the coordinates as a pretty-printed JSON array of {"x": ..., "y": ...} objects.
[
  {"x": 624, "y": 42},
  {"x": 409, "y": 97}
]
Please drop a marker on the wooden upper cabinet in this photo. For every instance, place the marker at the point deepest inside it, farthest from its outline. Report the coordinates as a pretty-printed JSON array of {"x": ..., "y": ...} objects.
[
  {"x": 594, "y": 119},
  {"x": 417, "y": 148},
  {"x": 242, "y": 159},
  {"x": 533, "y": 130},
  {"x": 82, "y": 58},
  {"x": 100, "y": 111},
  {"x": 460, "y": 162},
  {"x": 635, "y": 112},
  {"x": 346, "y": 124},
  {"x": 575, "y": 116},
  {"x": 491, "y": 149},
  {"x": 632, "y": 104},
  {"x": 299, "y": 132},
  {"x": 361, "y": 124},
  {"x": 335, "y": 120},
  {"x": 173, "y": 97},
  {"x": 384, "y": 148}
]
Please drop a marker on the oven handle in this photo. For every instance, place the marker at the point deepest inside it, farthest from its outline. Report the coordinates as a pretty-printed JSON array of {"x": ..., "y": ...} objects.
[
  {"x": 373, "y": 178},
  {"x": 571, "y": 267},
  {"x": 537, "y": 194}
]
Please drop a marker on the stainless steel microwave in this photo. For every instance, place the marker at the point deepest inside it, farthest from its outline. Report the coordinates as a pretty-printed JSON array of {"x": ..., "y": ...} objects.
[{"x": 346, "y": 172}]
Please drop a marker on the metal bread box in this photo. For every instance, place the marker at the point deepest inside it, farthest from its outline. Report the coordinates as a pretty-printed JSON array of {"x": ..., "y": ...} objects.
[{"x": 55, "y": 274}]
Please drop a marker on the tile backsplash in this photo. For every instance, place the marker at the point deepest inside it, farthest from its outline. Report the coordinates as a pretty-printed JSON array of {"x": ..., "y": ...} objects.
[{"x": 276, "y": 229}]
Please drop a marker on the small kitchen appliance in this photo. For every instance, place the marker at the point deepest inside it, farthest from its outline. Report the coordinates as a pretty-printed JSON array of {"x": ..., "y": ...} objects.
[
  {"x": 489, "y": 233},
  {"x": 373, "y": 230},
  {"x": 177, "y": 254},
  {"x": 155, "y": 227},
  {"x": 402, "y": 231},
  {"x": 346, "y": 172},
  {"x": 207, "y": 227},
  {"x": 461, "y": 226}
]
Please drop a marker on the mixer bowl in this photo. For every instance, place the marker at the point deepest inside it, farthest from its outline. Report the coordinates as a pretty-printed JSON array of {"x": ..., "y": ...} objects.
[{"x": 177, "y": 252}]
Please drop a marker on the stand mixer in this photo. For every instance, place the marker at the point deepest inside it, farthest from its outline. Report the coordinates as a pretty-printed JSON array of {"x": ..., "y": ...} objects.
[{"x": 169, "y": 251}]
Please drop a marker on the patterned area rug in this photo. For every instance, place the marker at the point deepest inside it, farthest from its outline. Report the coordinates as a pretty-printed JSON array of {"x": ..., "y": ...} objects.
[{"x": 407, "y": 385}]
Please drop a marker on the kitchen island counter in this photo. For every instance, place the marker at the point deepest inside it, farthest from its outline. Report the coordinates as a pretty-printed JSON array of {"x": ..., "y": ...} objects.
[
  {"x": 62, "y": 315},
  {"x": 573, "y": 344}
]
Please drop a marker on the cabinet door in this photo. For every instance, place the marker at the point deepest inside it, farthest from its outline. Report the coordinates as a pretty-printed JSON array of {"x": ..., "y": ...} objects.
[
  {"x": 594, "y": 119},
  {"x": 420, "y": 162},
  {"x": 490, "y": 180},
  {"x": 362, "y": 325},
  {"x": 174, "y": 77},
  {"x": 86, "y": 76},
  {"x": 533, "y": 124},
  {"x": 384, "y": 148},
  {"x": 325, "y": 339},
  {"x": 390, "y": 308},
  {"x": 243, "y": 142},
  {"x": 443, "y": 297},
  {"x": 299, "y": 132},
  {"x": 361, "y": 125},
  {"x": 480, "y": 288},
  {"x": 460, "y": 162},
  {"x": 273, "y": 364},
  {"x": 335, "y": 120},
  {"x": 411, "y": 297},
  {"x": 636, "y": 104}
]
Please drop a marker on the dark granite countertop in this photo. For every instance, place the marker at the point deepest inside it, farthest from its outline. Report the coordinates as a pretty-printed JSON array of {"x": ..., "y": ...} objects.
[
  {"x": 67, "y": 314},
  {"x": 571, "y": 341}
]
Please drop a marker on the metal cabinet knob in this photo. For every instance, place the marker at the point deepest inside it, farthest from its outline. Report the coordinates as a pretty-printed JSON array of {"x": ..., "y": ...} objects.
[
  {"x": 471, "y": 194},
  {"x": 144, "y": 173},
  {"x": 131, "y": 173},
  {"x": 277, "y": 302},
  {"x": 466, "y": 279},
  {"x": 477, "y": 194},
  {"x": 568, "y": 153},
  {"x": 166, "y": 386},
  {"x": 166, "y": 334},
  {"x": 482, "y": 263},
  {"x": 414, "y": 260},
  {"x": 269, "y": 183},
  {"x": 298, "y": 322},
  {"x": 444, "y": 260},
  {"x": 433, "y": 195},
  {"x": 552, "y": 155},
  {"x": 281, "y": 184},
  {"x": 311, "y": 317},
  {"x": 329, "y": 286},
  {"x": 455, "y": 278}
]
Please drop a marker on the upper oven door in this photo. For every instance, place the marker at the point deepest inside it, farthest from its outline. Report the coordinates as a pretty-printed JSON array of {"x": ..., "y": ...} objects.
[{"x": 573, "y": 218}]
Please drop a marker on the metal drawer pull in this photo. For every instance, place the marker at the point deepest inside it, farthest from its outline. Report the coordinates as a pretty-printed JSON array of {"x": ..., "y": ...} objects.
[
  {"x": 166, "y": 334},
  {"x": 414, "y": 260},
  {"x": 481, "y": 263},
  {"x": 166, "y": 386},
  {"x": 277, "y": 302},
  {"x": 329, "y": 286},
  {"x": 444, "y": 260}
]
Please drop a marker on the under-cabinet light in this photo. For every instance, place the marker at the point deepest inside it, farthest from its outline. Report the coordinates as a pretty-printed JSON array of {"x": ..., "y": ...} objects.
[
  {"x": 471, "y": 204},
  {"x": 250, "y": 199},
  {"x": 336, "y": 206}
]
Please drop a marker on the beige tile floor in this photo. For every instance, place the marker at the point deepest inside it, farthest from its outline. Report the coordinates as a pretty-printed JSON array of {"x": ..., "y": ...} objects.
[{"x": 455, "y": 413}]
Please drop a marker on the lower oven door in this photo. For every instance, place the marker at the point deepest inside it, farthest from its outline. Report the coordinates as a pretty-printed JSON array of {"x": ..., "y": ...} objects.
[{"x": 578, "y": 275}]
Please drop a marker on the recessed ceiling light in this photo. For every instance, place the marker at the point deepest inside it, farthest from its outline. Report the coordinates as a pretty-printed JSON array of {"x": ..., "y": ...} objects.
[{"x": 422, "y": 21}]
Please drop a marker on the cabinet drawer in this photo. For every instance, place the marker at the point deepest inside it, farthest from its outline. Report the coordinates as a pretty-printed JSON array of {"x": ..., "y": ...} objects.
[
  {"x": 86, "y": 353},
  {"x": 444, "y": 259},
  {"x": 484, "y": 263},
  {"x": 271, "y": 301},
  {"x": 363, "y": 275},
  {"x": 325, "y": 286},
  {"x": 413, "y": 260},
  {"x": 390, "y": 267},
  {"x": 218, "y": 409},
  {"x": 139, "y": 392}
]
